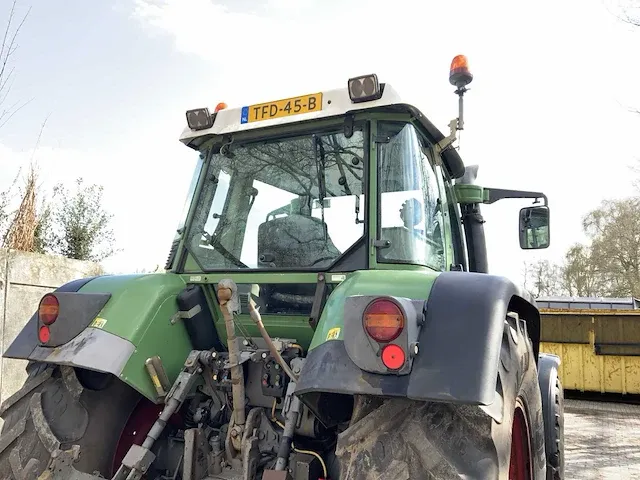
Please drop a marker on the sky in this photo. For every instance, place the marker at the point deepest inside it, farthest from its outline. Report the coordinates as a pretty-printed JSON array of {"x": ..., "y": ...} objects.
[{"x": 548, "y": 109}]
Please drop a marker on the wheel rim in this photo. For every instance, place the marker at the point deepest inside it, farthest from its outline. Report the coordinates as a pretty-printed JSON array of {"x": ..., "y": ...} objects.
[
  {"x": 520, "y": 465},
  {"x": 137, "y": 427}
]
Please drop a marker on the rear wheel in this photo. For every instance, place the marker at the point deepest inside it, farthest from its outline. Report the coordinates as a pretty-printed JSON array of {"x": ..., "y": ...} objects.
[
  {"x": 404, "y": 439},
  {"x": 553, "y": 408},
  {"x": 520, "y": 462},
  {"x": 56, "y": 408}
]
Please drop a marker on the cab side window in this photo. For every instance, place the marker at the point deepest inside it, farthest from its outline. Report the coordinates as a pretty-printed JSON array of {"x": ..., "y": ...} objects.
[
  {"x": 453, "y": 223},
  {"x": 410, "y": 205}
]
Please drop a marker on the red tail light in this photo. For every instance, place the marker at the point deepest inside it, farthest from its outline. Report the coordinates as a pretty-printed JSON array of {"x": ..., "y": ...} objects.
[
  {"x": 49, "y": 309},
  {"x": 383, "y": 320},
  {"x": 44, "y": 334},
  {"x": 393, "y": 357}
]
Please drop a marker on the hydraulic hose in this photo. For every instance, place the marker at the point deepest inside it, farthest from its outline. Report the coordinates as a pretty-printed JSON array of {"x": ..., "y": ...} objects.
[
  {"x": 257, "y": 318},
  {"x": 287, "y": 435},
  {"x": 225, "y": 293}
]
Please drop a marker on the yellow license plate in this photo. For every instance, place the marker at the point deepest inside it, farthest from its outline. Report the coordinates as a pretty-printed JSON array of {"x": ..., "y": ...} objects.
[{"x": 282, "y": 108}]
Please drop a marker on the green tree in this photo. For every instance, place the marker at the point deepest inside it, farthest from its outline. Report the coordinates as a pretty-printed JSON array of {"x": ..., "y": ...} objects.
[{"x": 76, "y": 225}]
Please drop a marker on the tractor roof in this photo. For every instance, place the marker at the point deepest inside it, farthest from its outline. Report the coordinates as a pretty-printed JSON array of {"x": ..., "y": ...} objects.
[{"x": 335, "y": 103}]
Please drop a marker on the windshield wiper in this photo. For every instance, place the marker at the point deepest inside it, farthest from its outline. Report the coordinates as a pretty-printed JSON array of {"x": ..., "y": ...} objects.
[
  {"x": 215, "y": 243},
  {"x": 319, "y": 152},
  {"x": 318, "y": 148}
]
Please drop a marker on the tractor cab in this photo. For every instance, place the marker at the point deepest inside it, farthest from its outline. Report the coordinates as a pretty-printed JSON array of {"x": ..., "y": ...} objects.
[
  {"x": 339, "y": 181},
  {"x": 352, "y": 185}
]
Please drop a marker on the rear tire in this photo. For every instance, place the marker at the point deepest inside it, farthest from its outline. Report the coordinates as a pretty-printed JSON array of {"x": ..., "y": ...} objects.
[
  {"x": 54, "y": 409},
  {"x": 553, "y": 410},
  {"x": 404, "y": 439}
]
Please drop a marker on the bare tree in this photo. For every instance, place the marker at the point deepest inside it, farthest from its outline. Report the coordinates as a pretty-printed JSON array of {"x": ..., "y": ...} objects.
[
  {"x": 614, "y": 229},
  {"x": 23, "y": 228},
  {"x": 543, "y": 278},
  {"x": 581, "y": 275},
  {"x": 629, "y": 12},
  {"x": 8, "y": 47},
  {"x": 5, "y": 208},
  {"x": 7, "y": 51},
  {"x": 20, "y": 234},
  {"x": 608, "y": 266}
]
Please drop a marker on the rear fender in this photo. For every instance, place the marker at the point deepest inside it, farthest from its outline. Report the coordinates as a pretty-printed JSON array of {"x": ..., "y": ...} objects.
[
  {"x": 27, "y": 341},
  {"x": 73, "y": 344},
  {"x": 114, "y": 325},
  {"x": 458, "y": 346}
]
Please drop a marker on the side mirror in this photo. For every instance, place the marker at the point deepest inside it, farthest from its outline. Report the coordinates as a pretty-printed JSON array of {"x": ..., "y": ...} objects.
[{"x": 534, "y": 228}]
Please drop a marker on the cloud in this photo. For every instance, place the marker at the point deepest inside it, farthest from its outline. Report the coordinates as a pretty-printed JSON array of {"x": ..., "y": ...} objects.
[{"x": 274, "y": 47}]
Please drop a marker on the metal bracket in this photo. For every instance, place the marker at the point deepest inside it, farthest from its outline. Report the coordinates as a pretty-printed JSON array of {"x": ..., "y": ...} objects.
[
  {"x": 138, "y": 458},
  {"x": 348, "y": 126},
  {"x": 381, "y": 243},
  {"x": 186, "y": 315},
  {"x": 316, "y": 308},
  {"x": 448, "y": 141}
]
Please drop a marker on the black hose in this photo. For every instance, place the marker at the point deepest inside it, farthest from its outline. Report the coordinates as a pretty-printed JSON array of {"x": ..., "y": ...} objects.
[{"x": 287, "y": 438}]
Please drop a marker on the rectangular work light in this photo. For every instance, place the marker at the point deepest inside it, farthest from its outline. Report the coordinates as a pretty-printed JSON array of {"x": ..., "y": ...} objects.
[
  {"x": 364, "y": 88},
  {"x": 199, "y": 119}
]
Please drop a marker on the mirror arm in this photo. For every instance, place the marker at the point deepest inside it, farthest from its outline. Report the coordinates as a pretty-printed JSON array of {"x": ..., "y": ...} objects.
[{"x": 496, "y": 194}]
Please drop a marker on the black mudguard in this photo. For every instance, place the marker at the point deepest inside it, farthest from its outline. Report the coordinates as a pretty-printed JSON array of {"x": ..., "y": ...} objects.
[
  {"x": 459, "y": 347},
  {"x": 27, "y": 340},
  {"x": 553, "y": 413}
]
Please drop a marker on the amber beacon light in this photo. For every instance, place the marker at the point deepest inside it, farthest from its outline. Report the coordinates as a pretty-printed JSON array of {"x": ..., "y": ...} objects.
[{"x": 460, "y": 76}]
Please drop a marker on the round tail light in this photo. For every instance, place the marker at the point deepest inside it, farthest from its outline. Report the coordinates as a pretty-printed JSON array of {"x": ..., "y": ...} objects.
[
  {"x": 393, "y": 357},
  {"x": 44, "y": 334},
  {"x": 49, "y": 309},
  {"x": 383, "y": 320}
]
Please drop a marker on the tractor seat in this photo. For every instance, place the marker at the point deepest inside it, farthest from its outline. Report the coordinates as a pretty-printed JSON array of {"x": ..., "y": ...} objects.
[{"x": 296, "y": 241}]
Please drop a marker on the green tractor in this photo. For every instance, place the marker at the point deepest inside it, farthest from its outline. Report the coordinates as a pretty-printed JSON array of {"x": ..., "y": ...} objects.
[{"x": 326, "y": 313}]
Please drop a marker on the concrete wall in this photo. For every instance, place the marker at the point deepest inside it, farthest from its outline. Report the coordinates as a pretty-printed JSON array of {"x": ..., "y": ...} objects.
[{"x": 24, "y": 279}]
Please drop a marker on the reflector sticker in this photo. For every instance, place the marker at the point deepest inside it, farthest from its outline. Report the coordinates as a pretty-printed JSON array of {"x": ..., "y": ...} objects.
[
  {"x": 333, "y": 334},
  {"x": 338, "y": 278},
  {"x": 98, "y": 323},
  {"x": 156, "y": 382}
]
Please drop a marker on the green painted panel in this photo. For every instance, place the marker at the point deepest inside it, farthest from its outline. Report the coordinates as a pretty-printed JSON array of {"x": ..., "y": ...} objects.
[
  {"x": 470, "y": 194},
  {"x": 134, "y": 302},
  {"x": 170, "y": 342},
  {"x": 140, "y": 310},
  {"x": 410, "y": 284}
]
